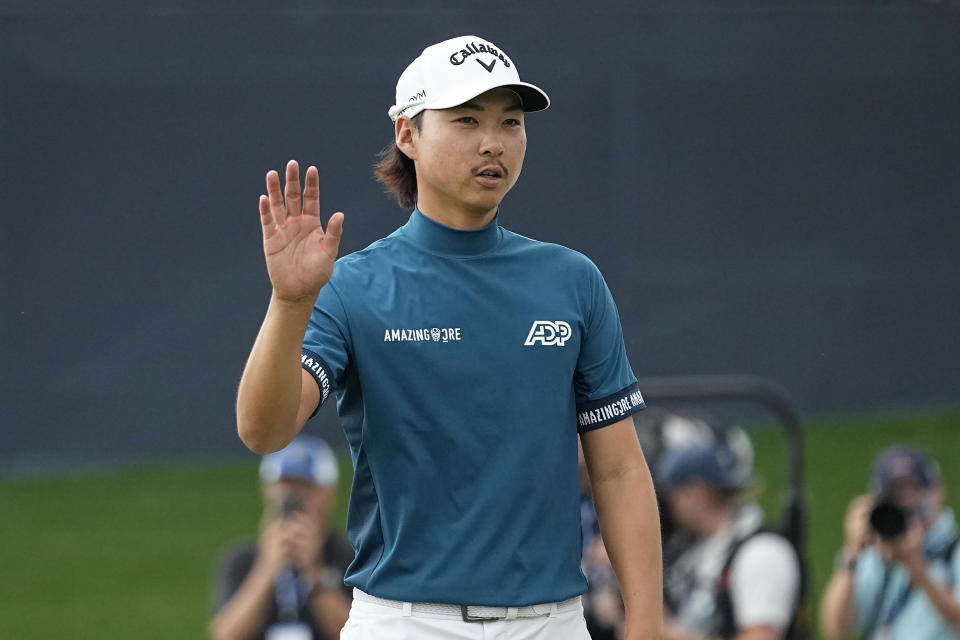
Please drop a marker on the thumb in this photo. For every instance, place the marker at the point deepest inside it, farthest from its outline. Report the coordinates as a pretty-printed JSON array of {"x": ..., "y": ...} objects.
[
  {"x": 335, "y": 225},
  {"x": 331, "y": 239}
]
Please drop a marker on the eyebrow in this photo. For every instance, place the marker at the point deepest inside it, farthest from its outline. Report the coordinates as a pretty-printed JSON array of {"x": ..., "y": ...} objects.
[{"x": 475, "y": 106}]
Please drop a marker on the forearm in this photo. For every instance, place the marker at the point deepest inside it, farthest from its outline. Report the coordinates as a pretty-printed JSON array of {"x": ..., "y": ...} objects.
[
  {"x": 332, "y": 608},
  {"x": 942, "y": 598},
  {"x": 268, "y": 398},
  {"x": 837, "y": 609},
  {"x": 673, "y": 632},
  {"x": 629, "y": 521},
  {"x": 244, "y": 614}
]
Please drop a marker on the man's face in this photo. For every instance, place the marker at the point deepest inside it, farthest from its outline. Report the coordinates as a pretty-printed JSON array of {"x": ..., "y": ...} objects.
[
  {"x": 913, "y": 498},
  {"x": 469, "y": 156},
  {"x": 687, "y": 503},
  {"x": 314, "y": 501}
]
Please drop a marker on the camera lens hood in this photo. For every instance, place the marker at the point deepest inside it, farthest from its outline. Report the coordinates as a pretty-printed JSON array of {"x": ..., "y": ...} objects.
[{"x": 888, "y": 520}]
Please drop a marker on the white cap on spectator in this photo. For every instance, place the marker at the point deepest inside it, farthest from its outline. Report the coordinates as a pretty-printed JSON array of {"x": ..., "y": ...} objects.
[{"x": 307, "y": 458}]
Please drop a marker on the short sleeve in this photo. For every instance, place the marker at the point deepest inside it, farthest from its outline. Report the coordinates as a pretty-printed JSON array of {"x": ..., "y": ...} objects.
[
  {"x": 605, "y": 386},
  {"x": 325, "y": 352},
  {"x": 765, "y": 582}
]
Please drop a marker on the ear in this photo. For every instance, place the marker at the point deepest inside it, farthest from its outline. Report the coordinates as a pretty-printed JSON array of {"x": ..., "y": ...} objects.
[{"x": 405, "y": 136}]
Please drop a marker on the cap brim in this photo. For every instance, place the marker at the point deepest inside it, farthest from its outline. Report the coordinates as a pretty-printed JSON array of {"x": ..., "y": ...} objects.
[{"x": 532, "y": 97}]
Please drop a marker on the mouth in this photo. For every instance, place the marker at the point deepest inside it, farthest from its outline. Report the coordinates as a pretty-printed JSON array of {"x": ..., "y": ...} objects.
[{"x": 490, "y": 175}]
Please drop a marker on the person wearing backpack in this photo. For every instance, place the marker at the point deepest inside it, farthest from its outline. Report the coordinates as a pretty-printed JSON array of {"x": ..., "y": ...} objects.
[{"x": 735, "y": 578}]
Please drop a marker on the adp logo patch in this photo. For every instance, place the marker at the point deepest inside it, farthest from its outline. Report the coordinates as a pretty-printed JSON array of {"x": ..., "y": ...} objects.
[{"x": 549, "y": 334}]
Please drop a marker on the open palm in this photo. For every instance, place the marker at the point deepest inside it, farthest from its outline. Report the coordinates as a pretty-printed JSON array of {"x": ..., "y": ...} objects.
[{"x": 299, "y": 253}]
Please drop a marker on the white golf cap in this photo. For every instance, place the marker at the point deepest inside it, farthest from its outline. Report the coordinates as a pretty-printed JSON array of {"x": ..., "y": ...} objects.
[{"x": 453, "y": 71}]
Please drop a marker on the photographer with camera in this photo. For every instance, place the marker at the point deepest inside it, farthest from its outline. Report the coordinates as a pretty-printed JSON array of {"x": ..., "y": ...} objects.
[
  {"x": 289, "y": 584},
  {"x": 898, "y": 576}
]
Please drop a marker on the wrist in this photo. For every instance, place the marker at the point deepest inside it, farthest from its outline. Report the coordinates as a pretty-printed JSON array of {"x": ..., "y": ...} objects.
[
  {"x": 265, "y": 569},
  {"x": 845, "y": 560},
  {"x": 325, "y": 578},
  {"x": 916, "y": 566},
  {"x": 853, "y": 549},
  {"x": 638, "y": 628},
  {"x": 294, "y": 305}
]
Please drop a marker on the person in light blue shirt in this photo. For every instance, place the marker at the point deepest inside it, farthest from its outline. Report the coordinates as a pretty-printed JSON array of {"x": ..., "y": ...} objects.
[
  {"x": 898, "y": 577},
  {"x": 466, "y": 360}
]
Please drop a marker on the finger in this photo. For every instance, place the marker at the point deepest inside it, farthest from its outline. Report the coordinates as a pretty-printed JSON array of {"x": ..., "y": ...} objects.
[
  {"x": 291, "y": 191},
  {"x": 331, "y": 239},
  {"x": 277, "y": 210},
  {"x": 266, "y": 218},
  {"x": 311, "y": 193}
]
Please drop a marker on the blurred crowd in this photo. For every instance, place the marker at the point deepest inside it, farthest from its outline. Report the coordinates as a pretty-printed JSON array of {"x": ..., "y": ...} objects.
[
  {"x": 729, "y": 573},
  {"x": 726, "y": 572}
]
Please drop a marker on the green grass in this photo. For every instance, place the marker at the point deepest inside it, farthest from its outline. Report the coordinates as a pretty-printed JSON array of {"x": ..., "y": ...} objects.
[
  {"x": 132, "y": 553},
  {"x": 121, "y": 554}
]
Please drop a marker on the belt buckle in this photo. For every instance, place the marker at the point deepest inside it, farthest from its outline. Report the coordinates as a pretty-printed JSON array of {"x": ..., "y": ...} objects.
[{"x": 465, "y": 614}]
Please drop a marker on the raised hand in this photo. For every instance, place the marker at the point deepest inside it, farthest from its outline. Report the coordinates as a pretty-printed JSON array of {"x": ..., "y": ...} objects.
[
  {"x": 856, "y": 524},
  {"x": 299, "y": 254}
]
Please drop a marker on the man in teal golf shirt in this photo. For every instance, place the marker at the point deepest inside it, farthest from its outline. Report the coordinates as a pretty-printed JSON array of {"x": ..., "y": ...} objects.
[{"x": 466, "y": 360}]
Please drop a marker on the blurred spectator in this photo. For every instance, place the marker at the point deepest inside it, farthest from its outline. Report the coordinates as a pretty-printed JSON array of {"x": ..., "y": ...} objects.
[
  {"x": 602, "y": 603},
  {"x": 730, "y": 577},
  {"x": 661, "y": 432},
  {"x": 898, "y": 576},
  {"x": 289, "y": 584}
]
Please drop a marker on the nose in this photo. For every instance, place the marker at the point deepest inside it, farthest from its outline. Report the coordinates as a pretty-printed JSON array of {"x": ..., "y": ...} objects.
[{"x": 491, "y": 144}]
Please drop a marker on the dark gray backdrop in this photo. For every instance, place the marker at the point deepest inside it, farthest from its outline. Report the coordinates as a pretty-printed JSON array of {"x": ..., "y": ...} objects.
[{"x": 769, "y": 188}]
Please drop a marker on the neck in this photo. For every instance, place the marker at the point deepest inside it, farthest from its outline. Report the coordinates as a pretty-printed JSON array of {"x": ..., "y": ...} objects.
[{"x": 455, "y": 215}]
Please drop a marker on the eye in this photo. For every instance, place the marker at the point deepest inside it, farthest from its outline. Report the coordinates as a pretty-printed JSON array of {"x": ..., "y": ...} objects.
[
  {"x": 512, "y": 122},
  {"x": 467, "y": 120}
]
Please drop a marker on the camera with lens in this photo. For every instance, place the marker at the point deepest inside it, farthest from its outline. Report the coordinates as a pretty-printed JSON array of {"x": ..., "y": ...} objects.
[
  {"x": 888, "y": 520},
  {"x": 290, "y": 506}
]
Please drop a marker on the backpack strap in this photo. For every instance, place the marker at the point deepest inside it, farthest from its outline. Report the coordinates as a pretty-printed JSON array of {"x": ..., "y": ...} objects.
[
  {"x": 726, "y": 626},
  {"x": 877, "y": 606},
  {"x": 948, "y": 554}
]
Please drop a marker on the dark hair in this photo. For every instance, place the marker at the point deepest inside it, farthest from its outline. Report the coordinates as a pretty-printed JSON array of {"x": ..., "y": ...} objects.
[{"x": 396, "y": 172}]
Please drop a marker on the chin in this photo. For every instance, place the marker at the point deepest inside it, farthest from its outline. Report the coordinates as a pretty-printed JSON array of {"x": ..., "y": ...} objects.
[
  {"x": 488, "y": 201},
  {"x": 483, "y": 207}
]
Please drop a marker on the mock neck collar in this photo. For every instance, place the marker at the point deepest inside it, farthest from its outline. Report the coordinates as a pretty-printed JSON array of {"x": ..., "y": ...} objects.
[{"x": 434, "y": 237}]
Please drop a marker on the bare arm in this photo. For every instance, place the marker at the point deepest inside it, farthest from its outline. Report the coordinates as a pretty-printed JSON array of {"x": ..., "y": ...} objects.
[
  {"x": 629, "y": 521},
  {"x": 942, "y": 598},
  {"x": 908, "y": 551},
  {"x": 760, "y": 632},
  {"x": 332, "y": 608},
  {"x": 275, "y": 397},
  {"x": 243, "y": 616},
  {"x": 838, "y": 613}
]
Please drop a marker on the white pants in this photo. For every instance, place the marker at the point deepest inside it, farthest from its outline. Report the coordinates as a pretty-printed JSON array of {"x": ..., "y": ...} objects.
[{"x": 371, "y": 621}]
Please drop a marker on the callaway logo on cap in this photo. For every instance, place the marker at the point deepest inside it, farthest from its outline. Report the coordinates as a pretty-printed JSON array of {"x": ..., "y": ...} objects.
[{"x": 454, "y": 71}]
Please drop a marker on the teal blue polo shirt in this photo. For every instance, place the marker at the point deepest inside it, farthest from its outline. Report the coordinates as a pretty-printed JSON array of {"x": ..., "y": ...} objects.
[{"x": 464, "y": 363}]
